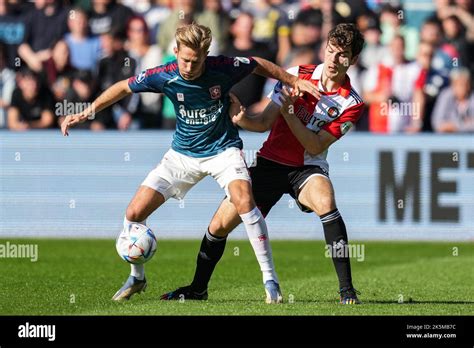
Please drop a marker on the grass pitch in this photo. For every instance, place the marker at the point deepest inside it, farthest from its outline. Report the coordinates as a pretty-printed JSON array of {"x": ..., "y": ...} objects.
[{"x": 79, "y": 277}]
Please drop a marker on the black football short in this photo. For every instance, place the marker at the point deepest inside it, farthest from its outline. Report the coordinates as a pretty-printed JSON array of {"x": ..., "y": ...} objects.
[{"x": 271, "y": 180}]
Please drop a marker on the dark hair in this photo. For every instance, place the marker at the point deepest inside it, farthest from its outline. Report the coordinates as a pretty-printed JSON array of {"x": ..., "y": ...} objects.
[
  {"x": 141, "y": 20},
  {"x": 83, "y": 75},
  {"x": 117, "y": 33},
  {"x": 432, "y": 21},
  {"x": 242, "y": 13},
  {"x": 347, "y": 35},
  {"x": 27, "y": 72},
  {"x": 393, "y": 9},
  {"x": 310, "y": 17}
]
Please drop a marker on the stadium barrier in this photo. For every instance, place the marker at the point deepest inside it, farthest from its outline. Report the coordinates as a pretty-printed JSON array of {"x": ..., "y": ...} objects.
[{"x": 387, "y": 187}]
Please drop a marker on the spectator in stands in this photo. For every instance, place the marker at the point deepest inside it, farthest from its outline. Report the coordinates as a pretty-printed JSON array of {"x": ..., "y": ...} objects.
[
  {"x": 389, "y": 89},
  {"x": 85, "y": 49},
  {"x": 391, "y": 22},
  {"x": 404, "y": 76},
  {"x": 306, "y": 31},
  {"x": 12, "y": 32},
  {"x": 348, "y": 10},
  {"x": 454, "y": 108},
  {"x": 249, "y": 90},
  {"x": 45, "y": 24},
  {"x": 116, "y": 66},
  {"x": 80, "y": 94},
  {"x": 454, "y": 34},
  {"x": 330, "y": 16},
  {"x": 145, "y": 107},
  {"x": 437, "y": 77},
  {"x": 271, "y": 27},
  {"x": 373, "y": 52},
  {"x": 31, "y": 105},
  {"x": 215, "y": 7},
  {"x": 154, "y": 13},
  {"x": 107, "y": 15},
  {"x": 424, "y": 59},
  {"x": 57, "y": 72},
  {"x": 463, "y": 10},
  {"x": 185, "y": 12},
  {"x": 7, "y": 85}
]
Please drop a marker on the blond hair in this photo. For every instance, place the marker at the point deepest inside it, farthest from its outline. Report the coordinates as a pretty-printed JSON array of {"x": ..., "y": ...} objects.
[{"x": 195, "y": 36}]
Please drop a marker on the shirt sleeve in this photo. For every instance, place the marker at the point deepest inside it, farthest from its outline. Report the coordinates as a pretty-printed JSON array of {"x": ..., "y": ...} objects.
[
  {"x": 345, "y": 122},
  {"x": 235, "y": 67},
  {"x": 275, "y": 94},
  {"x": 150, "y": 80},
  {"x": 283, "y": 25}
]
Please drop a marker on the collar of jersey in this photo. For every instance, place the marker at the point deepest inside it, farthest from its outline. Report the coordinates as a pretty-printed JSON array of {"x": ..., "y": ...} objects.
[{"x": 344, "y": 90}]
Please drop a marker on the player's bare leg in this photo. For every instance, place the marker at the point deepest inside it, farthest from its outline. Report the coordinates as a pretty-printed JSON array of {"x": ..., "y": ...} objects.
[
  {"x": 318, "y": 195},
  {"x": 212, "y": 247},
  {"x": 242, "y": 198},
  {"x": 145, "y": 202},
  {"x": 225, "y": 220}
]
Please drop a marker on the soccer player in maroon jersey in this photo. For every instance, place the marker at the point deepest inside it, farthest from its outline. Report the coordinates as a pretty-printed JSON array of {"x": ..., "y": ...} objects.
[{"x": 293, "y": 158}]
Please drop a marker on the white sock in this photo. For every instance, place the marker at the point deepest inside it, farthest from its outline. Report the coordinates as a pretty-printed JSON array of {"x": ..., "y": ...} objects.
[
  {"x": 258, "y": 235},
  {"x": 138, "y": 271}
]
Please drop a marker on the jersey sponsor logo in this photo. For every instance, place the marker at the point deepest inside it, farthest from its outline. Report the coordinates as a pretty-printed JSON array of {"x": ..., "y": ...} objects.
[
  {"x": 303, "y": 114},
  {"x": 215, "y": 92},
  {"x": 333, "y": 112},
  {"x": 346, "y": 126},
  {"x": 141, "y": 77},
  {"x": 238, "y": 60},
  {"x": 180, "y": 96},
  {"x": 201, "y": 116}
]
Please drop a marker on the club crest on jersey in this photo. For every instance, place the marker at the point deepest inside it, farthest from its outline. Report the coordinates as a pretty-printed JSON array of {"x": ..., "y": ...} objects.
[
  {"x": 180, "y": 96},
  {"x": 215, "y": 92},
  {"x": 333, "y": 112}
]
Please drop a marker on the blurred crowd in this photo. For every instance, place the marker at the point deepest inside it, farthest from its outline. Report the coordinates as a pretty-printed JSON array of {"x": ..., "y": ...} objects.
[{"x": 415, "y": 72}]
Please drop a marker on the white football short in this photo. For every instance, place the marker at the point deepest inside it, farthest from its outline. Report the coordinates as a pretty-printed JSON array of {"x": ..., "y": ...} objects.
[{"x": 176, "y": 174}]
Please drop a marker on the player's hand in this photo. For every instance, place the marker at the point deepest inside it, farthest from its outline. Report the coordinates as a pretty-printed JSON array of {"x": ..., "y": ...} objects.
[
  {"x": 70, "y": 121},
  {"x": 287, "y": 100},
  {"x": 305, "y": 86},
  {"x": 236, "y": 110}
]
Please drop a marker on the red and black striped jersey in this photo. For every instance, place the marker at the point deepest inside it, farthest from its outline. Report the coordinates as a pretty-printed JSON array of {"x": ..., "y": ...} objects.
[{"x": 335, "y": 113}]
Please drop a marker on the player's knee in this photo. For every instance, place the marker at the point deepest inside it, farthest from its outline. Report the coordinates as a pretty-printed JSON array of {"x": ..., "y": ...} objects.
[
  {"x": 243, "y": 203},
  {"x": 323, "y": 205},
  {"x": 134, "y": 214},
  {"x": 217, "y": 228}
]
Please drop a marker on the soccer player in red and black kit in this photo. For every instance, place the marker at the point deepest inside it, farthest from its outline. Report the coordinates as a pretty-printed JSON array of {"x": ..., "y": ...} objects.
[{"x": 293, "y": 158}]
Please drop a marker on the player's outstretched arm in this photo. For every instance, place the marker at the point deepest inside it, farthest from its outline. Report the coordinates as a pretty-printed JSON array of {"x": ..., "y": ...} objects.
[
  {"x": 268, "y": 69},
  {"x": 110, "y": 96},
  {"x": 314, "y": 143},
  {"x": 257, "y": 123}
]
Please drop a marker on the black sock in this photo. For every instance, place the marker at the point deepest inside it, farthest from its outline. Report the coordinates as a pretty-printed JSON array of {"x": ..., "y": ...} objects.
[
  {"x": 336, "y": 237},
  {"x": 211, "y": 251}
]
